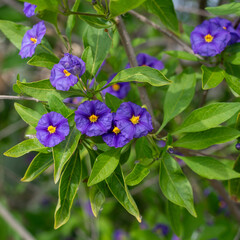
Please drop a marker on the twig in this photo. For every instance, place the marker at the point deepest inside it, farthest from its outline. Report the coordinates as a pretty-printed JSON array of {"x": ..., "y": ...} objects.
[
  {"x": 204, "y": 98},
  {"x": 133, "y": 63},
  {"x": 194, "y": 11},
  {"x": 164, "y": 31},
  {"x": 7, "y": 216}
]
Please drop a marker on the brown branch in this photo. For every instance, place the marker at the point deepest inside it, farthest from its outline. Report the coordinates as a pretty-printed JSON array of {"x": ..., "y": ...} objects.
[
  {"x": 126, "y": 41},
  {"x": 164, "y": 31}
]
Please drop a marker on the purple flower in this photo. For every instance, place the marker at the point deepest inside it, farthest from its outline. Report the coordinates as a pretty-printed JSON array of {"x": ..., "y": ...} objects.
[
  {"x": 161, "y": 229},
  {"x": 93, "y": 118},
  {"x": 144, "y": 59},
  {"x": 208, "y": 39},
  {"x": 227, "y": 26},
  {"x": 175, "y": 237},
  {"x": 31, "y": 39},
  {"x": 88, "y": 208},
  {"x": 114, "y": 137},
  {"x": 29, "y": 9},
  {"x": 119, "y": 235},
  {"x": 52, "y": 129},
  {"x": 65, "y": 74},
  {"x": 119, "y": 90},
  {"x": 133, "y": 121}
]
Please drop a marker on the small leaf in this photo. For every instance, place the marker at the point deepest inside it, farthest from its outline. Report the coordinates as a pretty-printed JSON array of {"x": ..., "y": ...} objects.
[
  {"x": 43, "y": 60},
  {"x": 38, "y": 165},
  {"x": 174, "y": 184},
  {"x": 112, "y": 102},
  {"x": 211, "y": 77},
  {"x": 137, "y": 175},
  {"x": 234, "y": 184},
  {"x": 118, "y": 188},
  {"x": 104, "y": 166},
  {"x": 210, "y": 168},
  {"x": 201, "y": 140},
  {"x": 208, "y": 117},
  {"x": 68, "y": 188},
  {"x": 63, "y": 151},
  {"x": 28, "y": 115},
  {"x": 225, "y": 9},
  {"x": 97, "y": 198},
  {"x": 25, "y": 147}
]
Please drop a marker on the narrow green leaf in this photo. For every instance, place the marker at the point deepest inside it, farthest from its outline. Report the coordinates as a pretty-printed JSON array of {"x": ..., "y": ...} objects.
[
  {"x": 174, "y": 184},
  {"x": 182, "y": 55},
  {"x": 118, "y": 7},
  {"x": 43, "y": 60},
  {"x": 97, "y": 198},
  {"x": 234, "y": 184},
  {"x": 112, "y": 102},
  {"x": 165, "y": 11},
  {"x": 225, "y": 9},
  {"x": 25, "y": 147},
  {"x": 118, "y": 188},
  {"x": 38, "y": 165},
  {"x": 141, "y": 74},
  {"x": 63, "y": 151},
  {"x": 210, "y": 168},
  {"x": 201, "y": 140},
  {"x": 211, "y": 77},
  {"x": 42, "y": 88},
  {"x": 104, "y": 166},
  {"x": 137, "y": 175},
  {"x": 208, "y": 117},
  {"x": 179, "y": 95},
  {"x": 68, "y": 187},
  {"x": 28, "y": 115}
]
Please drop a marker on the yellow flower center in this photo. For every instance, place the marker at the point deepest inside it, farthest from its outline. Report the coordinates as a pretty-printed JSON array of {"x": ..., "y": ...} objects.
[
  {"x": 115, "y": 87},
  {"x": 224, "y": 28},
  {"x": 116, "y": 130},
  {"x": 67, "y": 73},
  {"x": 51, "y": 129},
  {"x": 135, "y": 119},
  {"x": 34, "y": 40},
  {"x": 208, "y": 38},
  {"x": 93, "y": 118}
]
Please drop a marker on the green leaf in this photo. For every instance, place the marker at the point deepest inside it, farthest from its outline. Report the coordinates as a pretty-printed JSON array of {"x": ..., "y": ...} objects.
[
  {"x": 143, "y": 149},
  {"x": 165, "y": 11},
  {"x": 225, "y": 9},
  {"x": 137, "y": 175},
  {"x": 14, "y": 32},
  {"x": 68, "y": 188},
  {"x": 179, "y": 95},
  {"x": 233, "y": 82},
  {"x": 63, "y": 151},
  {"x": 25, "y": 147},
  {"x": 96, "y": 22},
  {"x": 43, "y": 60},
  {"x": 210, "y": 168},
  {"x": 104, "y": 166},
  {"x": 42, "y": 88},
  {"x": 141, "y": 74},
  {"x": 87, "y": 57},
  {"x": 118, "y": 188},
  {"x": 201, "y": 140},
  {"x": 72, "y": 20},
  {"x": 182, "y": 55},
  {"x": 38, "y": 165},
  {"x": 208, "y": 117},
  {"x": 97, "y": 198},
  {"x": 100, "y": 43},
  {"x": 118, "y": 7},
  {"x": 174, "y": 184},
  {"x": 28, "y": 115},
  {"x": 234, "y": 184},
  {"x": 44, "y": 4},
  {"x": 57, "y": 105},
  {"x": 112, "y": 102},
  {"x": 48, "y": 16},
  {"x": 211, "y": 76},
  {"x": 174, "y": 214},
  {"x": 234, "y": 58}
]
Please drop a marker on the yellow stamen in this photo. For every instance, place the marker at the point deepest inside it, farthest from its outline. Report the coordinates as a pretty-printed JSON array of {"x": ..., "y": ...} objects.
[
  {"x": 135, "y": 119},
  {"x": 67, "y": 73},
  {"x": 208, "y": 38},
  {"x": 93, "y": 118},
  {"x": 51, "y": 129},
  {"x": 115, "y": 87},
  {"x": 224, "y": 28},
  {"x": 34, "y": 40},
  {"x": 116, "y": 130}
]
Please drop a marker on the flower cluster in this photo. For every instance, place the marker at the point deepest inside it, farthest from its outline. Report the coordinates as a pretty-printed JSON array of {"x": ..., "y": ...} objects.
[
  {"x": 65, "y": 74},
  {"x": 212, "y": 36}
]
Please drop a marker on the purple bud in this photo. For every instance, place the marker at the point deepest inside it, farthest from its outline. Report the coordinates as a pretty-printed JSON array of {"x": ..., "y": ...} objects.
[
  {"x": 170, "y": 150},
  {"x": 237, "y": 146}
]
